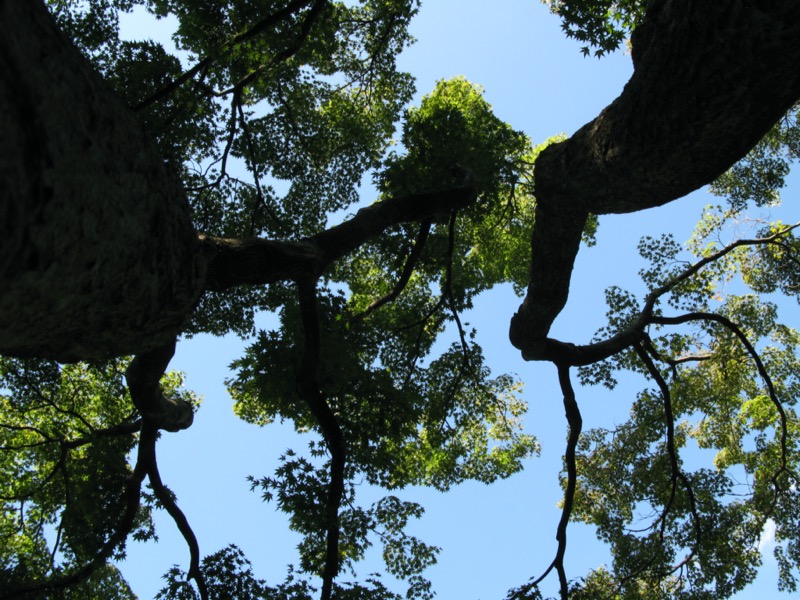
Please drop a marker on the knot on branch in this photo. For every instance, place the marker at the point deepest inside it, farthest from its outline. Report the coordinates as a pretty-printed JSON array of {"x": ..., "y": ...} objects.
[{"x": 143, "y": 376}]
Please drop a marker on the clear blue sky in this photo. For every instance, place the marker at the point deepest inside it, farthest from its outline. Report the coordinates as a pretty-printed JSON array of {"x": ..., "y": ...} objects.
[{"x": 492, "y": 538}]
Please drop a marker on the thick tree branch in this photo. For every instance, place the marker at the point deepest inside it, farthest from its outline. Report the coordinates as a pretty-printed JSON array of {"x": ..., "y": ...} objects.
[
  {"x": 710, "y": 79},
  {"x": 257, "y": 261},
  {"x": 143, "y": 376}
]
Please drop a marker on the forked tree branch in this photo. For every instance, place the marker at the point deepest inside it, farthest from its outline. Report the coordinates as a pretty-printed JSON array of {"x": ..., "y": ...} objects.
[{"x": 255, "y": 261}]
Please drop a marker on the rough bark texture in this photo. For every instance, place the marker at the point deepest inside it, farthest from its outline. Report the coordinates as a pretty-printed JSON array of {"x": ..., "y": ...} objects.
[
  {"x": 710, "y": 79},
  {"x": 98, "y": 256}
]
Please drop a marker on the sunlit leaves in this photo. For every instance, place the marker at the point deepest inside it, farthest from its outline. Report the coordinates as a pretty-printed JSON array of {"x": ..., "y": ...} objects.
[
  {"x": 759, "y": 177},
  {"x": 692, "y": 528},
  {"x": 65, "y": 435},
  {"x": 600, "y": 24}
]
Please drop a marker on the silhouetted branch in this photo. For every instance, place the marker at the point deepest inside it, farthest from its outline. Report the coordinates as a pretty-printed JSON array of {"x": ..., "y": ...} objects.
[
  {"x": 259, "y": 261},
  {"x": 329, "y": 425},
  {"x": 256, "y": 29},
  {"x": 762, "y": 371},
  {"x": 654, "y": 295},
  {"x": 405, "y": 275},
  {"x": 143, "y": 376},
  {"x": 575, "y": 422},
  {"x": 677, "y": 472},
  {"x": 167, "y": 500}
]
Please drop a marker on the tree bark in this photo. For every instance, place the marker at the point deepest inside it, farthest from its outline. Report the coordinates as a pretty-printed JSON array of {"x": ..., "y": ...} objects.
[
  {"x": 710, "y": 80},
  {"x": 98, "y": 256}
]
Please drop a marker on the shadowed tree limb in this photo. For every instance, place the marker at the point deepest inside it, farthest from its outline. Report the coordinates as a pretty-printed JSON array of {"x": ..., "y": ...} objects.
[
  {"x": 143, "y": 376},
  {"x": 676, "y": 471},
  {"x": 405, "y": 275},
  {"x": 575, "y": 422},
  {"x": 258, "y": 261},
  {"x": 762, "y": 371},
  {"x": 329, "y": 426},
  {"x": 167, "y": 500},
  {"x": 710, "y": 80}
]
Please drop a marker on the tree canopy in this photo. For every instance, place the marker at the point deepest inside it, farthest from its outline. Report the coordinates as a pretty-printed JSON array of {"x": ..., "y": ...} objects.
[{"x": 151, "y": 195}]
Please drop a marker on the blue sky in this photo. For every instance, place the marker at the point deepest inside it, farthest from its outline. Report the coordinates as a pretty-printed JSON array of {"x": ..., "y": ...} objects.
[{"x": 492, "y": 538}]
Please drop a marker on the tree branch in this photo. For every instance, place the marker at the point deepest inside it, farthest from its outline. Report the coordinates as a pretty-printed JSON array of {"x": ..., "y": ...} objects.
[
  {"x": 258, "y": 261},
  {"x": 710, "y": 80},
  {"x": 168, "y": 502},
  {"x": 143, "y": 376},
  {"x": 405, "y": 275},
  {"x": 329, "y": 425}
]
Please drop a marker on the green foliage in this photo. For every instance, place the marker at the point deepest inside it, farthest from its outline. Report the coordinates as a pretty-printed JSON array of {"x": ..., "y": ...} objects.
[
  {"x": 600, "y": 24},
  {"x": 759, "y": 177},
  {"x": 273, "y": 118},
  {"x": 693, "y": 532},
  {"x": 65, "y": 436}
]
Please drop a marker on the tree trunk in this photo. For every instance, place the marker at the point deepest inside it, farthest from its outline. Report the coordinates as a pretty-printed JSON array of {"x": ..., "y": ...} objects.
[
  {"x": 98, "y": 257},
  {"x": 710, "y": 80}
]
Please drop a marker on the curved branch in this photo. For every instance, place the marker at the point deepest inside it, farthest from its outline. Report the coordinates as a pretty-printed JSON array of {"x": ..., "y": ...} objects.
[
  {"x": 762, "y": 371},
  {"x": 575, "y": 422},
  {"x": 143, "y": 376},
  {"x": 329, "y": 425},
  {"x": 257, "y": 261},
  {"x": 677, "y": 472},
  {"x": 405, "y": 275},
  {"x": 710, "y": 80},
  {"x": 167, "y": 500}
]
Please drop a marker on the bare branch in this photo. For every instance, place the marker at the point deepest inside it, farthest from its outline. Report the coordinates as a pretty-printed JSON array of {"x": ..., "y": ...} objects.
[{"x": 167, "y": 500}]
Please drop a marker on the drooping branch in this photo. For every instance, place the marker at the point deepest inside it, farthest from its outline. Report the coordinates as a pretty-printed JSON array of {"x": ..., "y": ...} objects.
[
  {"x": 710, "y": 80},
  {"x": 672, "y": 451},
  {"x": 762, "y": 371},
  {"x": 575, "y": 422},
  {"x": 329, "y": 425},
  {"x": 405, "y": 275},
  {"x": 166, "y": 499}
]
